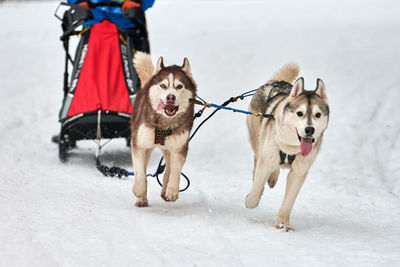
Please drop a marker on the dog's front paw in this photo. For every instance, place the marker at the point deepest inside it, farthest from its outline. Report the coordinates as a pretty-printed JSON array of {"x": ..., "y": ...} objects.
[
  {"x": 139, "y": 190},
  {"x": 171, "y": 194},
  {"x": 163, "y": 196},
  {"x": 141, "y": 203},
  {"x": 252, "y": 201},
  {"x": 285, "y": 227},
  {"x": 283, "y": 224}
]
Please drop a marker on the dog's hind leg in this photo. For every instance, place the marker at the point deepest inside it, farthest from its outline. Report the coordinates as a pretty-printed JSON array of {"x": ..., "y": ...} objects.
[
  {"x": 167, "y": 159},
  {"x": 140, "y": 158},
  {"x": 273, "y": 178}
]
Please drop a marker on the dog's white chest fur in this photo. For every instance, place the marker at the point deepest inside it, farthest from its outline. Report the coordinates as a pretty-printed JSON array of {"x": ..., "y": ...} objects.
[{"x": 173, "y": 142}]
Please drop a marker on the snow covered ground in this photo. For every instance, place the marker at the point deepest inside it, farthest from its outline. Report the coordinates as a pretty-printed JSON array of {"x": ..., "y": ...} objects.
[{"x": 347, "y": 214}]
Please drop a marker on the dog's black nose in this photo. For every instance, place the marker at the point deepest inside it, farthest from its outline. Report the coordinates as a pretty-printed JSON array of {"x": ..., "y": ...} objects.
[
  {"x": 171, "y": 98},
  {"x": 309, "y": 130}
]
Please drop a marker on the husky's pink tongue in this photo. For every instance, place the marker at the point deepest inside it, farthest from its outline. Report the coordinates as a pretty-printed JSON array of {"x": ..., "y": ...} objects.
[
  {"x": 161, "y": 105},
  {"x": 305, "y": 146}
]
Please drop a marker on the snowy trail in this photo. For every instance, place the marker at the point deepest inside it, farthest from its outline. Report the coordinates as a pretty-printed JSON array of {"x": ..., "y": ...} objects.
[{"x": 347, "y": 213}]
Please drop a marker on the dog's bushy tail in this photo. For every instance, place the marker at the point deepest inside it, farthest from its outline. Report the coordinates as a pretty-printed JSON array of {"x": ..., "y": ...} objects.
[
  {"x": 144, "y": 67},
  {"x": 287, "y": 73}
]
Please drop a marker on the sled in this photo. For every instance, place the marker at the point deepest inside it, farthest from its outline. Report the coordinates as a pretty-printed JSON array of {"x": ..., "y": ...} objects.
[{"x": 99, "y": 95}]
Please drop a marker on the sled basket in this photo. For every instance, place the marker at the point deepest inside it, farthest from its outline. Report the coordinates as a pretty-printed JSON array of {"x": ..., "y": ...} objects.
[{"x": 99, "y": 95}]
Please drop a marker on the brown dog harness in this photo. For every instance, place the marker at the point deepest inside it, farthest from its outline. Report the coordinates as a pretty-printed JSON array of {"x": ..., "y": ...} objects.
[{"x": 160, "y": 135}]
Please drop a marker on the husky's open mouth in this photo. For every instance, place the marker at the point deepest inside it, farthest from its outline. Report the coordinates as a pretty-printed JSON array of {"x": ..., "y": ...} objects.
[
  {"x": 169, "y": 109},
  {"x": 305, "y": 145}
]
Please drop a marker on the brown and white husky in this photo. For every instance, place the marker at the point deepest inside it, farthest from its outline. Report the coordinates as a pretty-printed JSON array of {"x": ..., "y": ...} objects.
[
  {"x": 292, "y": 139},
  {"x": 162, "y": 118}
]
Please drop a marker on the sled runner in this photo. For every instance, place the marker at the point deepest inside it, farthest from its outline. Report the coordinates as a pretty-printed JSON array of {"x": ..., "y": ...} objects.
[{"x": 98, "y": 96}]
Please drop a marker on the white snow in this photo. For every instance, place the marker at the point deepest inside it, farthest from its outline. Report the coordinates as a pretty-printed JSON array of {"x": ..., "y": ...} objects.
[{"x": 347, "y": 213}]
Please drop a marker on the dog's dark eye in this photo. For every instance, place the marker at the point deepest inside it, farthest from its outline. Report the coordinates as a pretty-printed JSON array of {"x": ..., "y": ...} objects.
[
  {"x": 318, "y": 115},
  {"x": 179, "y": 86},
  {"x": 300, "y": 114},
  {"x": 163, "y": 86}
]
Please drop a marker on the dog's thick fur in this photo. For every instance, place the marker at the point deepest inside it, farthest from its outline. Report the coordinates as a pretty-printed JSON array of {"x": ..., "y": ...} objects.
[
  {"x": 300, "y": 119},
  {"x": 163, "y": 103}
]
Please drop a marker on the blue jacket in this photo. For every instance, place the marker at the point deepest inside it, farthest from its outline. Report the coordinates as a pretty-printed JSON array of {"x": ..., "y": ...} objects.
[{"x": 114, "y": 14}]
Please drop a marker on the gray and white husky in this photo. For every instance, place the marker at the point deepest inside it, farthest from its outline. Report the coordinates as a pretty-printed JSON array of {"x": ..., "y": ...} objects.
[
  {"x": 162, "y": 117},
  {"x": 291, "y": 139}
]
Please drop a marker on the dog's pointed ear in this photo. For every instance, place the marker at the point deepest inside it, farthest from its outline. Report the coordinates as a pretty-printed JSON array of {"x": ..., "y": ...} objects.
[
  {"x": 159, "y": 65},
  {"x": 320, "y": 90},
  {"x": 186, "y": 67},
  {"x": 298, "y": 87}
]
